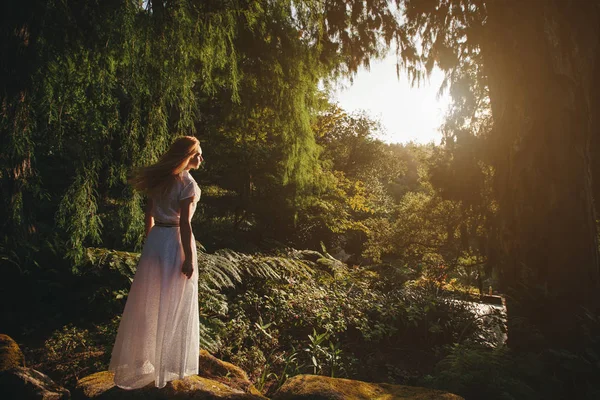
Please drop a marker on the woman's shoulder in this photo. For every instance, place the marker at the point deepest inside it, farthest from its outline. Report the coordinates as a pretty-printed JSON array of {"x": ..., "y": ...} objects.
[
  {"x": 189, "y": 187},
  {"x": 187, "y": 178}
]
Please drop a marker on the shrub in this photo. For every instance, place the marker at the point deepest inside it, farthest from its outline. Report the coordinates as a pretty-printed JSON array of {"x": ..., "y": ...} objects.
[
  {"x": 476, "y": 372},
  {"x": 73, "y": 352}
]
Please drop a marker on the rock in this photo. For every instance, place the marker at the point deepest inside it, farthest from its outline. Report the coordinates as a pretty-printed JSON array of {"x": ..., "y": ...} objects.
[
  {"x": 316, "y": 387},
  {"x": 26, "y": 383},
  {"x": 95, "y": 385},
  {"x": 331, "y": 266},
  {"x": 217, "y": 380},
  {"x": 11, "y": 355},
  {"x": 18, "y": 382},
  {"x": 308, "y": 255},
  {"x": 341, "y": 255},
  {"x": 231, "y": 375},
  {"x": 100, "y": 386},
  {"x": 491, "y": 299}
]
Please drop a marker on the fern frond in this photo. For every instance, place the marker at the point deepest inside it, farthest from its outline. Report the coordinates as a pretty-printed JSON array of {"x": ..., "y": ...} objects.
[{"x": 209, "y": 333}]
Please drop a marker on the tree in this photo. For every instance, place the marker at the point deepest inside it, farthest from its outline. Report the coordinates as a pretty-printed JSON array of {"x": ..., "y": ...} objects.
[
  {"x": 534, "y": 65},
  {"x": 545, "y": 181},
  {"x": 90, "y": 90}
]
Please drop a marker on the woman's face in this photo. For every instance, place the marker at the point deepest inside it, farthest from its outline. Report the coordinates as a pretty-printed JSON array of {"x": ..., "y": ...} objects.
[{"x": 196, "y": 159}]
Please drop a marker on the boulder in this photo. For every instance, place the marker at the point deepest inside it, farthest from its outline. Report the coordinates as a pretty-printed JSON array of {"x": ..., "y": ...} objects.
[
  {"x": 308, "y": 255},
  {"x": 11, "y": 355},
  {"x": 316, "y": 387},
  {"x": 18, "y": 382},
  {"x": 100, "y": 386},
  {"x": 26, "y": 383},
  {"x": 491, "y": 299},
  {"x": 231, "y": 375},
  {"x": 217, "y": 380},
  {"x": 332, "y": 266}
]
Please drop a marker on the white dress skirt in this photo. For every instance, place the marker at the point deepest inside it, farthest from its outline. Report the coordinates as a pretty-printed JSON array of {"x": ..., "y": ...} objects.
[{"x": 158, "y": 337}]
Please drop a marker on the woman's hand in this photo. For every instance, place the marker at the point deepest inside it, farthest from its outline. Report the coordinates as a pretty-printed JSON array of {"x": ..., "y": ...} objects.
[{"x": 188, "y": 268}]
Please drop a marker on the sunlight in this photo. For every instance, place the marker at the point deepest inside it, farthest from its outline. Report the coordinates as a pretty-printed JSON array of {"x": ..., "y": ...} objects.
[
  {"x": 406, "y": 113},
  {"x": 346, "y": 238}
]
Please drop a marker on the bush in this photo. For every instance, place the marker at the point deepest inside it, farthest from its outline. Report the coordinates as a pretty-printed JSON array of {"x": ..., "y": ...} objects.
[
  {"x": 477, "y": 372},
  {"x": 73, "y": 352},
  {"x": 324, "y": 325}
]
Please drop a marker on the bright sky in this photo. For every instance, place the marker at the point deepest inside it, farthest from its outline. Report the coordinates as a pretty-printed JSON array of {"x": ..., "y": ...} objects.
[{"x": 406, "y": 113}]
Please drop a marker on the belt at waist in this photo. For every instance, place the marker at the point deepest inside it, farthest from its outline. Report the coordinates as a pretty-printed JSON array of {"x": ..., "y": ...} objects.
[{"x": 166, "y": 224}]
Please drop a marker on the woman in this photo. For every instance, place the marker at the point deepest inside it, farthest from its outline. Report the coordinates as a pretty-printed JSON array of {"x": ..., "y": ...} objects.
[{"x": 158, "y": 337}]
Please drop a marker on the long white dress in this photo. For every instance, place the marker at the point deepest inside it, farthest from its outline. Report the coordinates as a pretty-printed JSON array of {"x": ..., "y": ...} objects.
[{"x": 158, "y": 338}]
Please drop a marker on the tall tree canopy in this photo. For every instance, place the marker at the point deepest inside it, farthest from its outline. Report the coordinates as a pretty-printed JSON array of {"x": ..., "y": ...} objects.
[{"x": 91, "y": 89}]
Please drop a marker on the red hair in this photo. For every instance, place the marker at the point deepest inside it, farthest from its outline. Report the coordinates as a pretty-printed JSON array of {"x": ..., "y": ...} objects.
[{"x": 158, "y": 178}]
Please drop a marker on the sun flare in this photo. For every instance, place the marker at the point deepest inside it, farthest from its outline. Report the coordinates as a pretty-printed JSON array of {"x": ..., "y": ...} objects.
[{"x": 406, "y": 113}]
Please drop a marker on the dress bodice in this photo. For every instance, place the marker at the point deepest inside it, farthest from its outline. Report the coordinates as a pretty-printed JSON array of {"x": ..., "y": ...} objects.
[{"x": 166, "y": 208}]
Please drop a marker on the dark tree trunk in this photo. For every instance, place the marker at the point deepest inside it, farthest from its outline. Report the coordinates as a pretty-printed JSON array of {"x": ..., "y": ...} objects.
[{"x": 540, "y": 60}]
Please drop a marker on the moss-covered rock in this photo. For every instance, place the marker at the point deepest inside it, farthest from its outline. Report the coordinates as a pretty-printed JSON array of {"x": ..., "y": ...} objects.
[
  {"x": 231, "y": 375},
  {"x": 308, "y": 255},
  {"x": 217, "y": 380},
  {"x": 100, "y": 386},
  {"x": 331, "y": 266},
  {"x": 94, "y": 385},
  {"x": 11, "y": 355},
  {"x": 315, "y": 387},
  {"x": 18, "y": 382},
  {"x": 29, "y": 384}
]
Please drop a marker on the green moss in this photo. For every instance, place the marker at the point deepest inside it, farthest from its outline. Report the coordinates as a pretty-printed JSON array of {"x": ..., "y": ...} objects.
[
  {"x": 228, "y": 383},
  {"x": 11, "y": 355},
  {"x": 101, "y": 386},
  {"x": 225, "y": 373},
  {"x": 325, "y": 388},
  {"x": 333, "y": 267},
  {"x": 195, "y": 383},
  {"x": 96, "y": 384},
  {"x": 210, "y": 365}
]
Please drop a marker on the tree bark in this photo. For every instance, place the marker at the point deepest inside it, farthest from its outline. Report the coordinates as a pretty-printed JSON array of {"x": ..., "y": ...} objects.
[{"x": 540, "y": 60}]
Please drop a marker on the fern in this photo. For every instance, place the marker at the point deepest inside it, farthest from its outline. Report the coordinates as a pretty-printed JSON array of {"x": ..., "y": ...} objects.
[
  {"x": 209, "y": 338},
  {"x": 97, "y": 260},
  {"x": 226, "y": 267},
  {"x": 223, "y": 269}
]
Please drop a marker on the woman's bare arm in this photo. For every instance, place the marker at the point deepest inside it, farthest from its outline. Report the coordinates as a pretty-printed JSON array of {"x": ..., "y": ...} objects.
[
  {"x": 148, "y": 218},
  {"x": 185, "y": 229}
]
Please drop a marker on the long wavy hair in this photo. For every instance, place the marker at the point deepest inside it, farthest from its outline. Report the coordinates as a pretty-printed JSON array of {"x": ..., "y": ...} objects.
[{"x": 157, "y": 178}]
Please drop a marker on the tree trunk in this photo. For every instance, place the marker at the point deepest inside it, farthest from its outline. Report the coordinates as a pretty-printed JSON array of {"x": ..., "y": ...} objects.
[{"x": 540, "y": 60}]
